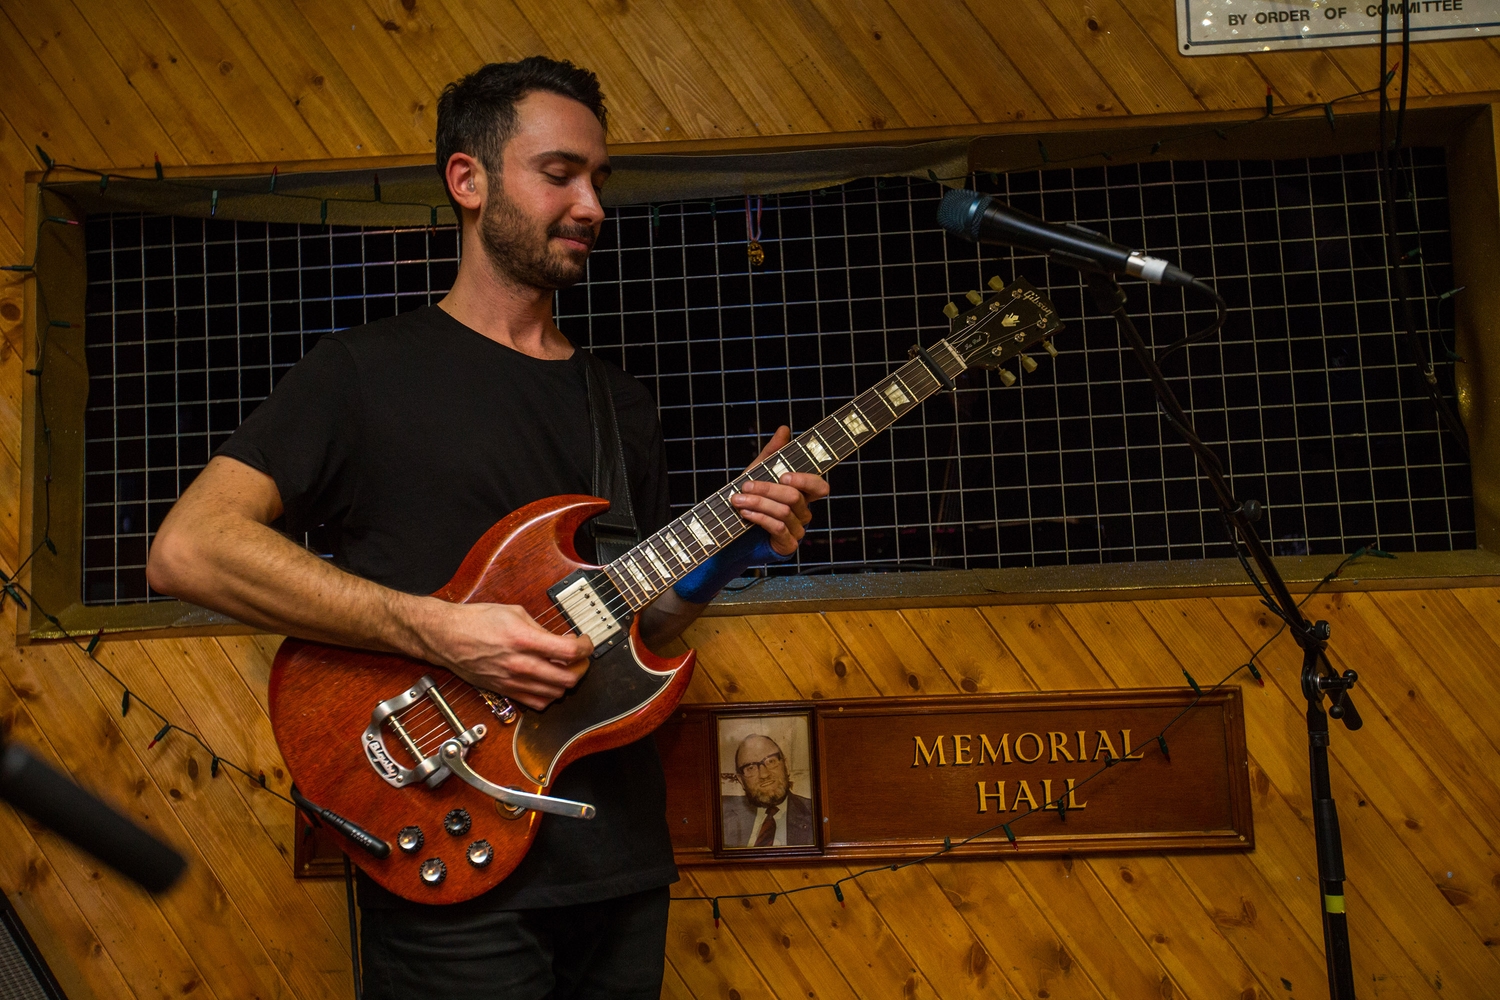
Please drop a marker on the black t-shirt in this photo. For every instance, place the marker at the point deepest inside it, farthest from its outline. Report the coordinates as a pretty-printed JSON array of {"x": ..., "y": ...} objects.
[{"x": 409, "y": 438}]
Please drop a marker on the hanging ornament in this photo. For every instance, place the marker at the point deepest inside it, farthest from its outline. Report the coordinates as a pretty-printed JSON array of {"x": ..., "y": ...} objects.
[{"x": 754, "y": 250}]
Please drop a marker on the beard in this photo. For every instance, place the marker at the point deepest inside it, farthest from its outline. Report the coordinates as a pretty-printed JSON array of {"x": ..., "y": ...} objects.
[
  {"x": 769, "y": 791},
  {"x": 521, "y": 248}
]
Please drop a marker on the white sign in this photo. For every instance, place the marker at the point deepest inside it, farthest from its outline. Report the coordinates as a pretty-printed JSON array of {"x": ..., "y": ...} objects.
[{"x": 1211, "y": 27}]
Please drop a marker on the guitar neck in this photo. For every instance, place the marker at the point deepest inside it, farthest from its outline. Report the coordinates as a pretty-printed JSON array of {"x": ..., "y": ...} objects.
[{"x": 643, "y": 573}]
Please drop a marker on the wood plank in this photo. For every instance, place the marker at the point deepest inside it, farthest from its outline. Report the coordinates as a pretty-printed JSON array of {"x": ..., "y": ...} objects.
[
  {"x": 828, "y": 73},
  {"x": 1046, "y": 58},
  {"x": 114, "y": 110},
  {"x": 1458, "y": 66},
  {"x": 676, "y": 71},
  {"x": 196, "y": 126},
  {"x": 672, "y": 986},
  {"x": 100, "y": 752},
  {"x": 1027, "y": 949},
  {"x": 1372, "y": 847},
  {"x": 78, "y": 931},
  {"x": 732, "y": 656},
  {"x": 980, "y": 72},
  {"x": 971, "y": 654},
  {"x": 750, "y": 68},
  {"x": 710, "y": 959},
  {"x": 811, "y": 656},
  {"x": 45, "y": 118},
  {"x": 859, "y": 939},
  {"x": 893, "y": 657},
  {"x": 1092, "y": 930},
  {"x": 229, "y": 818},
  {"x": 235, "y": 75},
  {"x": 900, "y": 68},
  {"x": 422, "y": 44},
  {"x": 498, "y": 29},
  {"x": 636, "y": 112},
  {"x": 1124, "y": 57},
  {"x": 1045, "y": 646},
  {"x": 783, "y": 947},
  {"x": 1221, "y": 83}
]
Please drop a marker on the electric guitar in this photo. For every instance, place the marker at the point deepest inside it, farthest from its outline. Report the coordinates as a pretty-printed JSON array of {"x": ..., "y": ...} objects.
[{"x": 436, "y": 786}]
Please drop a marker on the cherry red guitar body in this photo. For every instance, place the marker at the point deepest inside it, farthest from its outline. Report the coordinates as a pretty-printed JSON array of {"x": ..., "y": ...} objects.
[{"x": 322, "y": 699}]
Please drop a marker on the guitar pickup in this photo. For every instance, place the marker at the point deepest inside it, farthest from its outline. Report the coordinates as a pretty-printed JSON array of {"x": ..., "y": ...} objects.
[{"x": 590, "y": 604}]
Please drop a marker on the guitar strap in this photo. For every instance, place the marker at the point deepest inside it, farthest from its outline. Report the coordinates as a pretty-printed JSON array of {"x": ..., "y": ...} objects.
[{"x": 615, "y": 531}]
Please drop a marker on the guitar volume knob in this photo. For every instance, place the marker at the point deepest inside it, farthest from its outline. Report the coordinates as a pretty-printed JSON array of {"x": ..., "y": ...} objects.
[
  {"x": 410, "y": 839},
  {"x": 480, "y": 853},
  {"x": 457, "y": 822},
  {"x": 433, "y": 871}
]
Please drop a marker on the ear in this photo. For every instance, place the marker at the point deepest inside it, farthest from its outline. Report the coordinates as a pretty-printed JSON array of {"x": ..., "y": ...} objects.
[{"x": 466, "y": 181}]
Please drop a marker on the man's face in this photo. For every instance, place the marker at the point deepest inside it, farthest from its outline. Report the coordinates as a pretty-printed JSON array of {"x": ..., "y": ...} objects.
[
  {"x": 762, "y": 770},
  {"x": 543, "y": 213}
]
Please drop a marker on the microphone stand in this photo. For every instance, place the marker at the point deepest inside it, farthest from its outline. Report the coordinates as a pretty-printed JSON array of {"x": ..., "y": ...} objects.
[{"x": 1319, "y": 679}]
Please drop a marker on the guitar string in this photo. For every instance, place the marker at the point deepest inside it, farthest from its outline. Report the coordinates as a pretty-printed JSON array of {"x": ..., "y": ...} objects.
[{"x": 470, "y": 695}]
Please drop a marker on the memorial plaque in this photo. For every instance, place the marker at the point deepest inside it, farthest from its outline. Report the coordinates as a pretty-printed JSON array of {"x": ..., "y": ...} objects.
[{"x": 889, "y": 778}]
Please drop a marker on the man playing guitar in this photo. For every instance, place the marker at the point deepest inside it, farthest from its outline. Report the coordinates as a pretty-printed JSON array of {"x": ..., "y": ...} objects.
[{"x": 409, "y": 437}]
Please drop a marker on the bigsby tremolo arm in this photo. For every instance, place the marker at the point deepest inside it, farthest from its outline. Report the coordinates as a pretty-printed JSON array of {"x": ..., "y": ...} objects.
[{"x": 452, "y": 754}]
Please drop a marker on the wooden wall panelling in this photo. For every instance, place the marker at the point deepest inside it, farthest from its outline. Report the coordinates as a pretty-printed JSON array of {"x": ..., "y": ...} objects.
[
  {"x": 245, "y": 836},
  {"x": 114, "y": 111},
  {"x": 891, "y": 654},
  {"x": 11, "y": 374},
  {"x": 1219, "y": 83},
  {"x": 216, "y": 704},
  {"x": 1131, "y": 655},
  {"x": 811, "y": 656},
  {"x": 775, "y": 937},
  {"x": 86, "y": 911},
  {"x": 1439, "y": 945},
  {"x": 679, "y": 74},
  {"x": 45, "y": 117},
  {"x": 974, "y": 659},
  {"x": 496, "y": 30},
  {"x": 196, "y": 125},
  {"x": 16, "y": 157},
  {"x": 905, "y": 72},
  {"x": 1243, "y": 900},
  {"x": 712, "y": 960},
  {"x": 1461, "y": 65},
  {"x": 830, "y": 76},
  {"x": 343, "y": 113},
  {"x": 751, "y": 70},
  {"x": 1045, "y": 645},
  {"x": 740, "y": 667},
  {"x": 983, "y": 75},
  {"x": 236, "y": 75},
  {"x": 638, "y": 112},
  {"x": 113, "y": 51},
  {"x": 1114, "y": 45},
  {"x": 672, "y": 986},
  {"x": 856, "y": 936},
  {"x": 1046, "y": 60},
  {"x": 1441, "y": 729},
  {"x": 98, "y": 749}
]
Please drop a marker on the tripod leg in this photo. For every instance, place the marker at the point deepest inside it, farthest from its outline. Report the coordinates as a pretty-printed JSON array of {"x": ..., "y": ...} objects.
[{"x": 1330, "y": 848}]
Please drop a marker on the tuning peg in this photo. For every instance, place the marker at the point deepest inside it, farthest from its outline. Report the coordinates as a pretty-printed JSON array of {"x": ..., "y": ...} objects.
[
  {"x": 1028, "y": 363},
  {"x": 997, "y": 283},
  {"x": 951, "y": 310},
  {"x": 1050, "y": 349},
  {"x": 1008, "y": 377},
  {"x": 973, "y": 296}
]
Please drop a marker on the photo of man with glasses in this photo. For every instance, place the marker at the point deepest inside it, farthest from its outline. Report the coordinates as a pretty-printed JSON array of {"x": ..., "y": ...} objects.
[{"x": 769, "y": 813}]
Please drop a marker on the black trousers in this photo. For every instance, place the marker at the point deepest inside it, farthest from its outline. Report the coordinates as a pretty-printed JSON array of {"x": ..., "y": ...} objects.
[{"x": 589, "y": 951}]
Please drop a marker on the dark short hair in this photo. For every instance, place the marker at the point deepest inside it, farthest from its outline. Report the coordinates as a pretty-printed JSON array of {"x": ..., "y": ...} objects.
[{"x": 477, "y": 115}]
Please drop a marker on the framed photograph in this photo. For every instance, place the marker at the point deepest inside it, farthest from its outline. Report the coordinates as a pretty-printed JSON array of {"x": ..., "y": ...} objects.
[{"x": 767, "y": 796}]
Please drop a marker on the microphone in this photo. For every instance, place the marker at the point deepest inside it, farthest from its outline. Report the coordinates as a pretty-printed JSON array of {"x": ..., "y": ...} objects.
[
  {"x": 982, "y": 219},
  {"x": 34, "y": 787}
]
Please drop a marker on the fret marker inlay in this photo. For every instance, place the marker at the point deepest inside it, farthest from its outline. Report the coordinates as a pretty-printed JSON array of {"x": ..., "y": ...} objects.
[
  {"x": 818, "y": 451},
  {"x": 780, "y": 468},
  {"x": 894, "y": 393},
  {"x": 677, "y": 549},
  {"x": 855, "y": 424},
  {"x": 700, "y": 533},
  {"x": 656, "y": 562}
]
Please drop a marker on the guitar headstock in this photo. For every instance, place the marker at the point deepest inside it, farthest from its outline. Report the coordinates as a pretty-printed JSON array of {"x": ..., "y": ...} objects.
[{"x": 1002, "y": 325}]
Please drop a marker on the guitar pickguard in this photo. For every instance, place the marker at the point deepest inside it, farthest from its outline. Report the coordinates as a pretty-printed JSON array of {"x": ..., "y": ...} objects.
[{"x": 618, "y": 684}]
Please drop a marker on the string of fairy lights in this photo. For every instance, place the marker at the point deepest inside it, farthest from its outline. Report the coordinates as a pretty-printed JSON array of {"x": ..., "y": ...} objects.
[{"x": 11, "y": 587}]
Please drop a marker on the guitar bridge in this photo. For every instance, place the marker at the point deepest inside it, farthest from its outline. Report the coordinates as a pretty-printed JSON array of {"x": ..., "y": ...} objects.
[{"x": 430, "y": 767}]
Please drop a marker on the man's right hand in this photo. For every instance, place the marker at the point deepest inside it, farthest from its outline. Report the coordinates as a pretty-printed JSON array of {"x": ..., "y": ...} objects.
[{"x": 501, "y": 648}]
